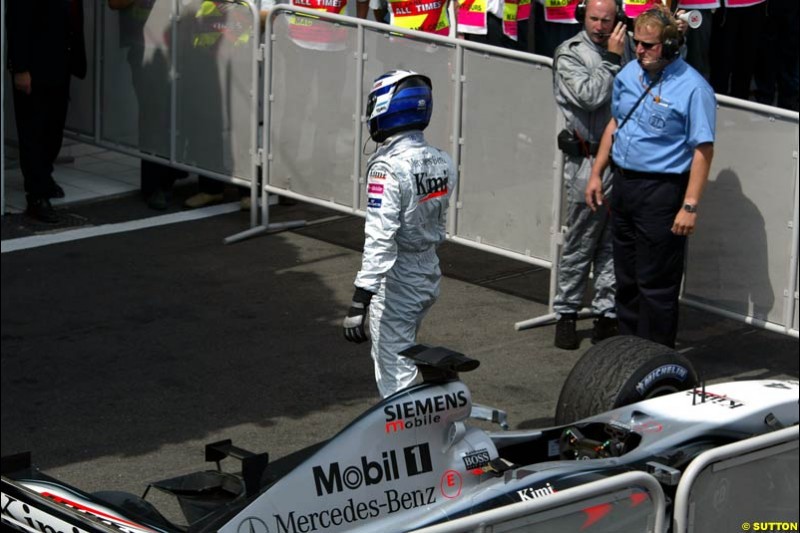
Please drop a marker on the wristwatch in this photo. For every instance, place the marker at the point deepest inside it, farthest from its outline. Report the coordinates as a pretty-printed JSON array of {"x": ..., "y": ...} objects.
[{"x": 690, "y": 208}]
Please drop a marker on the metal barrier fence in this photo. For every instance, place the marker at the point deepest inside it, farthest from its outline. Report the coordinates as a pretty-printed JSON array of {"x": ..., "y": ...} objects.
[
  {"x": 565, "y": 510},
  {"x": 166, "y": 85},
  {"x": 174, "y": 82},
  {"x": 502, "y": 138},
  {"x": 316, "y": 137},
  {"x": 742, "y": 261},
  {"x": 732, "y": 487}
]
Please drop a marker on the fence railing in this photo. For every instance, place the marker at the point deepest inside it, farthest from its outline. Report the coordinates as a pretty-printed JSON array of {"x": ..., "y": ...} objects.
[
  {"x": 179, "y": 83},
  {"x": 730, "y": 487},
  {"x": 558, "y": 511}
]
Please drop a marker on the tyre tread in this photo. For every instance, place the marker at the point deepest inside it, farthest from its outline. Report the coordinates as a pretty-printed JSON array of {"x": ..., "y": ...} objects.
[{"x": 604, "y": 370}]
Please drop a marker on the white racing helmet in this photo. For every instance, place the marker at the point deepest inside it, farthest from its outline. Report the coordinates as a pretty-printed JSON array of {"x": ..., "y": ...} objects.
[{"x": 400, "y": 100}]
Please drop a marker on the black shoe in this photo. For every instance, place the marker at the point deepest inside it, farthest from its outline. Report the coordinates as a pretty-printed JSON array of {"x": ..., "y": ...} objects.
[
  {"x": 41, "y": 210},
  {"x": 55, "y": 191},
  {"x": 158, "y": 200},
  {"x": 566, "y": 336},
  {"x": 604, "y": 327}
]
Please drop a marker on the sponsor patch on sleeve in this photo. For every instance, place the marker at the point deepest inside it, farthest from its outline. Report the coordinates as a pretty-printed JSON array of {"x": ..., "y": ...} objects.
[
  {"x": 377, "y": 174},
  {"x": 374, "y": 203},
  {"x": 375, "y": 188}
]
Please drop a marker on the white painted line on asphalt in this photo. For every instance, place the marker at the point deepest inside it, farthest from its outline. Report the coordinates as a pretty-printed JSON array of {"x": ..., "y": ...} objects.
[{"x": 35, "y": 241}]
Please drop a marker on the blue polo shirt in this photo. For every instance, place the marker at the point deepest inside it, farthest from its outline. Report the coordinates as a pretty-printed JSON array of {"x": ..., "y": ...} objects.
[{"x": 679, "y": 113}]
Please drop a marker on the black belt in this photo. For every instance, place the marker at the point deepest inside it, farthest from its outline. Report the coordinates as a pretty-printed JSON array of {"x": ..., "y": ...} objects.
[{"x": 638, "y": 175}]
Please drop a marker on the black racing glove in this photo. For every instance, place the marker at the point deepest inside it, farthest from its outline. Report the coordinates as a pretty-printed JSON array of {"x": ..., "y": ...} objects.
[{"x": 354, "y": 330}]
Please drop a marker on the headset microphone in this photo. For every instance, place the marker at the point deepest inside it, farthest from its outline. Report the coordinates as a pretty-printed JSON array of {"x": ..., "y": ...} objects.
[
  {"x": 694, "y": 18},
  {"x": 647, "y": 62}
]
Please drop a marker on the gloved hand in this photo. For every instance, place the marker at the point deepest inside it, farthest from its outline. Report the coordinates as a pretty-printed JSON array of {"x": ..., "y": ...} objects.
[{"x": 354, "y": 330}]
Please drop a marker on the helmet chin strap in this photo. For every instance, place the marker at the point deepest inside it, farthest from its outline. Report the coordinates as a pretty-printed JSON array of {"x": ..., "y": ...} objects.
[{"x": 364, "y": 148}]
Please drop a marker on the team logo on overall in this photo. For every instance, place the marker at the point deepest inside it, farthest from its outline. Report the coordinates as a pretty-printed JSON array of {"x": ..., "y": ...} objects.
[
  {"x": 430, "y": 188},
  {"x": 376, "y": 175}
]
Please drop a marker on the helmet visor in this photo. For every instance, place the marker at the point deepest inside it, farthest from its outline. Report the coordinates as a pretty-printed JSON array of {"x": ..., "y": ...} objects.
[{"x": 382, "y": 91}]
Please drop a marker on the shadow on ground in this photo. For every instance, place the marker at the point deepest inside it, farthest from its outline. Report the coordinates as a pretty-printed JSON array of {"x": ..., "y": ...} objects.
[
  {"x": 119, "y": 344},
  {"x": 122, "y": 354}
]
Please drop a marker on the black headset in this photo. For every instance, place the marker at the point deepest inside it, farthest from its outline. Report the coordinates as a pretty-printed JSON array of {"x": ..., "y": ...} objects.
[
  {"x": 580, "y": 11},
  {"x": 671, "y": 38}
]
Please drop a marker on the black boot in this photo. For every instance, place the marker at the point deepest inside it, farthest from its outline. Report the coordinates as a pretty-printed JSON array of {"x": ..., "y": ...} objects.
[
  {"x": 566, "y": 336},
  {"x": 159, "y": 200},
  {"x": 54, "y": 190},
  {"x": 604, "y": 327},
  {"x": 41, "y": 210}
]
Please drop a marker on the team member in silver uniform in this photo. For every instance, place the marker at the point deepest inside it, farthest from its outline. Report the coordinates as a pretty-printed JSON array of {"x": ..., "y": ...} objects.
[
  {"x": 583, "y": 75},
  {"x": 409, "y": 184}
]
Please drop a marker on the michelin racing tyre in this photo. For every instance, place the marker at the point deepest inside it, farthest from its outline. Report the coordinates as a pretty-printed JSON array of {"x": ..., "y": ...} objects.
[{"x": 620, "y": 371}]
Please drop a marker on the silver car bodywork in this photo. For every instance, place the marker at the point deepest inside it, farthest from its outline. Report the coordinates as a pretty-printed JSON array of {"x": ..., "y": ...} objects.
[{"x": 412, "y": 460}]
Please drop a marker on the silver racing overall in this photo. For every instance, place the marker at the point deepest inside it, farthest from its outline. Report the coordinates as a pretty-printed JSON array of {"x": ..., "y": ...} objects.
[
  {"x": 409, "y": 184},
  {"x": 583, "y": 83}
]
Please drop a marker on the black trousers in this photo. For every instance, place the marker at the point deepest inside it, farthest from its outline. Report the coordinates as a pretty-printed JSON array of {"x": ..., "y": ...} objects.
[
  {"x": 698, "y": 44},
  {"x": 648, "y": 257},
  {"x": 40, "y": 118},
  {"x": 156, "y": 176},
  {"x": 494, "y": 35},
  {"x": 777, "y": 63},
  {"x": 548, "y": 35},
  {"x": 735, "y": 37}
]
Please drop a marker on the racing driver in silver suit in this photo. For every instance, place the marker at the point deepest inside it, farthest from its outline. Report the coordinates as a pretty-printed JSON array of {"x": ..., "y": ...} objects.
[{"x": 409, "y": 184}]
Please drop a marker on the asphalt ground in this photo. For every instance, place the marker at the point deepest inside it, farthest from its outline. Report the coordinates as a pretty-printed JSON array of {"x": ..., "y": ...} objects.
[{"x": 123, "y": 354}]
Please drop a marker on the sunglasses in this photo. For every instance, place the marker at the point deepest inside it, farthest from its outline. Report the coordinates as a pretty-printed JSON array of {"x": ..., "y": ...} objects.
[{"x": 646, "y": 46}]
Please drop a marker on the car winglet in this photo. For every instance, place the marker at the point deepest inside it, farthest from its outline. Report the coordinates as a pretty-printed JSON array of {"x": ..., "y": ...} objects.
[{"x": 437, "y": 363}]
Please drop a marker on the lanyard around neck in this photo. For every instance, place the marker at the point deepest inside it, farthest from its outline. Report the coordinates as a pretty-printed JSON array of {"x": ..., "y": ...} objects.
[{"x": 656, "y": 79}]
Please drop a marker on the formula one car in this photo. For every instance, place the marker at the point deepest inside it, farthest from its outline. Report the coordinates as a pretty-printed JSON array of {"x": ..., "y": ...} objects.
[{"x": 412, "y": 460}]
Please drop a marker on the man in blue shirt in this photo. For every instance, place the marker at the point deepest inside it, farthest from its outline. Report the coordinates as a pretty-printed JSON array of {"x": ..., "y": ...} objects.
[{"x": 660, "y": 143}]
